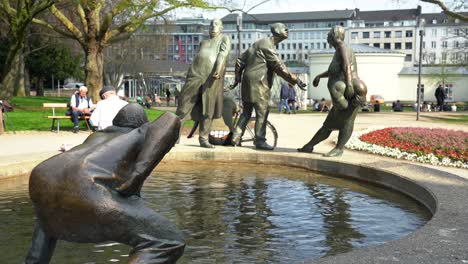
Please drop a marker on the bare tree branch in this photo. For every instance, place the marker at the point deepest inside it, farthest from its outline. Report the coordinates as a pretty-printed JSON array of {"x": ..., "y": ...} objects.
[{"x": 447, "y": 10}]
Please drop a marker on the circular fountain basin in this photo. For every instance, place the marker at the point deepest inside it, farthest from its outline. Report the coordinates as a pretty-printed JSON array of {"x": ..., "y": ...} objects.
[{"x": 239, "y": 212}]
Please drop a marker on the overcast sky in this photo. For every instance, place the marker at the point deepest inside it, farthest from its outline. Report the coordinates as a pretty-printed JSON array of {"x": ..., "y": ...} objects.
[{"x": 277, "y": 6}]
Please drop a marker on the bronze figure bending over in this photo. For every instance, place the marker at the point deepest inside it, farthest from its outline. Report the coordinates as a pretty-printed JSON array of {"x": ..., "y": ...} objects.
[
  {"x": 90, "y": 194},
  {"x": 347, "y": 92}
]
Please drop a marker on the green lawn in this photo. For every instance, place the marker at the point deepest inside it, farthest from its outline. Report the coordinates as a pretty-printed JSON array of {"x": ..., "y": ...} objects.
[
  {"x": 452, "y": 119},
  {"x": 28, "y": 114}
]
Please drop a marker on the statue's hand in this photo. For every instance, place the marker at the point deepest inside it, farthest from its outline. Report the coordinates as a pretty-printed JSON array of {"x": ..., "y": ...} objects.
[
  {"x": 316, "y": 81},
  {"x": 129, "y": 187},
  {"x": 301, "y": 85},
  {"x": 215, "y": 75}
]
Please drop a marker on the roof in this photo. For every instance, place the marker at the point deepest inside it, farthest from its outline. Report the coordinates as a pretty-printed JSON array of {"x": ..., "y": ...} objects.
[
  {"x": 388, "y": 15},
  {"x": 291, "y": 17},
  {"x": 436, "y": 70},
  {"x": 360, "y": 49},
  {"x": 440, "y": 18}
]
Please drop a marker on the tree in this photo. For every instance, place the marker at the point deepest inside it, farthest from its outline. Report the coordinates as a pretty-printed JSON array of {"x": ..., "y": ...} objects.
[
  {"x": 52, "y": 58},
  {"x": 451, "y": 7},
  {"x": 18, "y": 17},
  {"x": 101, "y": 23}
]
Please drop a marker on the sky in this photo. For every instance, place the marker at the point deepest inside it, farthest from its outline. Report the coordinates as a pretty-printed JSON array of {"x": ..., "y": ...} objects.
[{"x": 277, "y": 6}]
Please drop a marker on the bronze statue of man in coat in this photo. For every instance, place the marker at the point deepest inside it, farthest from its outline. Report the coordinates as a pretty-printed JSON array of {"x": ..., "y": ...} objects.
[
  {"x": 201, "y": 98},
  {"x": 256, "y": 68}
]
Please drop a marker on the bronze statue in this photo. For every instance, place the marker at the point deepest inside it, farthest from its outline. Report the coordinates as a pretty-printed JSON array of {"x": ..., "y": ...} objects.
[
  {"x": 90, "y": 194},
  {"x": 347, "y": 92},
  {"x": 202, "y": 94},
  {"x": 256, "y": 68}
]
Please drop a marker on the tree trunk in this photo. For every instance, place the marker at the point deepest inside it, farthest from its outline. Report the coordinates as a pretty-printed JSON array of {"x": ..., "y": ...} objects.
[
  {"x": 40, "y": 87},
  {"x": 19, "y": 84},
  {"x": 27, "y": 82},
  {"x": 9, "y": 82},
  {"x": 94, "y": 70}
]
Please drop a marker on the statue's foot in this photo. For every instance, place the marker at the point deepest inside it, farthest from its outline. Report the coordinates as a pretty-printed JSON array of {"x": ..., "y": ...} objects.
[
  {"x": 206, "y": 144},
  {"x": 264, "y": 146},
  {"x": 235, "y": 141},
  {"x": 334, "y": 153},
  {"x": 306, "y": 150}
]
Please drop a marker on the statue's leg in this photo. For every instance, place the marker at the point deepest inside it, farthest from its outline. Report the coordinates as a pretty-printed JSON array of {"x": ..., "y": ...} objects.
[
  {"x": 261, "y": 113},
  {"x": 322, "y": 134},
  {"x": 205, "y": 126},
  {"x": 42, "y": 247},
  {"x": 242, "y": 123},
  {"x": 343, "y": 136}
]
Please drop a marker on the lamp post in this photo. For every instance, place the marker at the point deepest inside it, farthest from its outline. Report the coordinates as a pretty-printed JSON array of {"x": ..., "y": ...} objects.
[{"x": 421, "y": 23}]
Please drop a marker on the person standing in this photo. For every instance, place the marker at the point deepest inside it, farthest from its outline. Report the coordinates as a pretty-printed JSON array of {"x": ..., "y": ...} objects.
[
  {"x": 440, "y": 97},
  {"x": 168, "y": 97},
  {"x": 80, "y": 105},
  {"x": 284, "y": 97},
  {"x": 292, "y": 98},
  {"x": 107, "y": 108},
  {"x": 201, "y": 98},
  {"x": 347, "y": 92},
  {"x": 256, "y": 68}
]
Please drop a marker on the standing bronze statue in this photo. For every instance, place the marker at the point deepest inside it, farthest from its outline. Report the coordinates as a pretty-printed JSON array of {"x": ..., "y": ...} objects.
[
  {"x": 256, "y": 68},
  {"x": 347, "y": 92},
  {"x": 91, "y": 193},
  {"x": 201, "y": 98}
]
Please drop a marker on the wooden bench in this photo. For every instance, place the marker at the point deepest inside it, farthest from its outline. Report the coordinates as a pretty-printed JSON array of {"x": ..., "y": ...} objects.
[{"x": 54, "y": 115}]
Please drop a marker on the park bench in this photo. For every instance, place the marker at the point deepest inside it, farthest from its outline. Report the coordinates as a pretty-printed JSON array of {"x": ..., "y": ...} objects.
[{"x": 55, "y": 116}]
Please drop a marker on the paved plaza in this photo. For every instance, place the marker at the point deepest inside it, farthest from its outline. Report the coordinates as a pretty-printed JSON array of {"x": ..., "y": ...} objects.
[{"x": 22, "y": 150}]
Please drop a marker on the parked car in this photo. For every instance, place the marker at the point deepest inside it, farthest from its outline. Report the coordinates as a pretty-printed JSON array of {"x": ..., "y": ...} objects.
[
  {"x": 376, "y": 99},
  {"x": 71, "y": 86}
]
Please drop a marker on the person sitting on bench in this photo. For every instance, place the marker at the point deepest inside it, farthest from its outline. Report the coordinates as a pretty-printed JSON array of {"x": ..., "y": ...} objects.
[{"x": 80, "y": 105}]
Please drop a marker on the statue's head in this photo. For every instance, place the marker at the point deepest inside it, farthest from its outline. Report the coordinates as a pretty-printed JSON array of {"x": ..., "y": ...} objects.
[
  {"x": 131, "y": 115},
  {"x": 336, "y": 33},
  {"x": 279, "y": 31},
  {"x": 216, "y": 27}
]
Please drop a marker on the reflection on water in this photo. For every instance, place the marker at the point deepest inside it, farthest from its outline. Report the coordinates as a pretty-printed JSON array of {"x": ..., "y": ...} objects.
[{"x": 239, "y": 213}]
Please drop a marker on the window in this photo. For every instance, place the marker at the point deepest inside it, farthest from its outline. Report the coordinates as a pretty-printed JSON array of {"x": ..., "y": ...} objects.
[
  {"x": 444, "y": 44},
  {"x": 409, "y": 45},
  {"x": 456, "y": 44},
  {"x": 282, "y": 56},
  {"x": 289, "y": 46},
  {"x": 386, "y": 46},
  {"x": 444, "y": 57},
  {"x": 434, "y": 32},
  {"x": 365, "y": 35},
  {"x": 249, "y": 36},
  {"x": 233, "y": 36},
  {"x": 377, "y": 45},
  {"x": 294, "y": 56},
  {"x": 306, "y": 46},
  {"x": 294, "y": 46},
  {"x": 457, "y": 32},
  {"x": 300, "y": 45},
  {"x": 433, "y": 44},
  {"x": 282, "y": 46},
  {"x": 243, "y": 46},
  {"x": 354, "y": 35},
  {"x": 408, "y": 57},
  {"x": 398, "y": 34},
  {"x": 398, "y": 45},
  {"x": 288, "y": 56},
  {"x": 312, "y": 45},
  {"x": 306, "y": 57},
  {"x": 388, "y": 34},
  {"x": 377, "y": 34},
  {"x": 409, "y": 33},
  {"x": 324, "y": 45}
]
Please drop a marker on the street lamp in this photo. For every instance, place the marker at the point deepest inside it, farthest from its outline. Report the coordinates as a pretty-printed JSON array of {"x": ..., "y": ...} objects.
[{"x": 421, "y": 23}]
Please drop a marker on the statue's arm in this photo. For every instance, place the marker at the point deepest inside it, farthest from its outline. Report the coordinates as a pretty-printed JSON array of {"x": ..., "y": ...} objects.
[
  {"x": 239, "y": 69},
  {"x": 346, "y": 68},
  {"x": 160, "y": 137},
  {"x": 275, "y": 63},
  {"x": 221, "y": 59}
]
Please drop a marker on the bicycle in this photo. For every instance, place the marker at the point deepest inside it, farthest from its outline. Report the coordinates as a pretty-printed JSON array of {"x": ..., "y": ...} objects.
[{"x": 223, "y": 137}]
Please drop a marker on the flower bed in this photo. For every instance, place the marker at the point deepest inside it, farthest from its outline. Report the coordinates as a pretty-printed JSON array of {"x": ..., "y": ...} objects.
[{"x": 435, "y": 146}]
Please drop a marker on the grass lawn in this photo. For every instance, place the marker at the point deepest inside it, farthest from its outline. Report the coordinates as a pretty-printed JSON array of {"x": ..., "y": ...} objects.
[
  {"x": 452, "y": 119},
  {"x": 28, "y": 114}
]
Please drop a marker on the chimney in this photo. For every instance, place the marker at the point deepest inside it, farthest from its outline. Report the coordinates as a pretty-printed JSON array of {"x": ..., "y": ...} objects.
[{"x": 418, "y": 10}]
